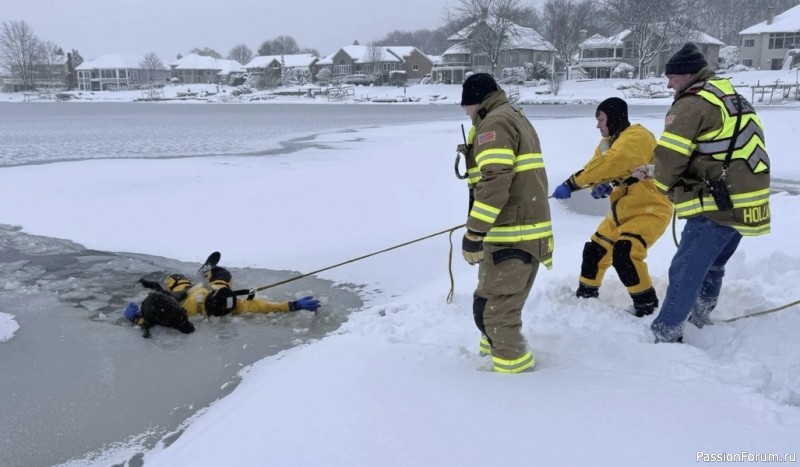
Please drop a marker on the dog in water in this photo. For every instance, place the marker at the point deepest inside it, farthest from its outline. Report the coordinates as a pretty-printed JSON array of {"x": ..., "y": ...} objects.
[{"x": 160, "y": 308}]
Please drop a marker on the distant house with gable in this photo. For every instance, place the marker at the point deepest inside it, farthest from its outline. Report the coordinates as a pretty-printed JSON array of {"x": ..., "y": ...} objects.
[
  {"x": 767, "y": 44},
  {"x": 111, "y": 72},
  {"x": 601, "y": 55},
  {"x": 51, "y": 75},
  {"x": 523, "y": 45},
  {"x": 287, "y": 66},
  {"x": 193, "y": 69},
  {"x": 377, "y": 60}
]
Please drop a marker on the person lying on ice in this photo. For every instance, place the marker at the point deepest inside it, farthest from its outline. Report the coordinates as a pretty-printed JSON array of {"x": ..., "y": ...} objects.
[{"x": 218, "y": 299}]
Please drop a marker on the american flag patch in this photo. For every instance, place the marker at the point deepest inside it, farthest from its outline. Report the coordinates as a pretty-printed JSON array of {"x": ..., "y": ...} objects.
[{"x": 487, "y": 137}]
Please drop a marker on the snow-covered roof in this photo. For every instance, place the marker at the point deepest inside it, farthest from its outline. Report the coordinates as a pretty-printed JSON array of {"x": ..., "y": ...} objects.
[
  {"x": 360, "y": 53},
  {"x": 599, "y": 42},
  {"x": 788, "y": 21},
  {"x": 289, "y": 61},
  {"x": 202, "y": 62},
  {"x": 112, "y": 61},
  {"x": 402, "y": 51},
  {"x": 618, "y": 40},
  {"x": 436, "y": 59},
  {"x": 457, "y": 49},
  {"x": 519, "y": 37}
]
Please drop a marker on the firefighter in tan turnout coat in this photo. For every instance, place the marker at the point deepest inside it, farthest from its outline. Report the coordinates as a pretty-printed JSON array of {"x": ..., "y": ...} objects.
[
  {"x": 712, "y": 161},
  {"x": 509, "y": 231}
]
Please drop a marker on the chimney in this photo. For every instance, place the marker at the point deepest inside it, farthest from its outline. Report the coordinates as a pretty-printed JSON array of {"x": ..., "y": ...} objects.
[
  {"x": 770, "y": 14},
  {"x": 582, "y": 35}
]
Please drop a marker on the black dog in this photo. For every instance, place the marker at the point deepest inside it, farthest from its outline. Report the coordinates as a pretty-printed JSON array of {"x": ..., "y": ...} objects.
[{"x": 162, "y": 309}]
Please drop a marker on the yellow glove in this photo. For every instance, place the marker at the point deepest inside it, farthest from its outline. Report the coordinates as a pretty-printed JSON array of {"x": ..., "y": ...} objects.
[{"x": 472, "y": 247}]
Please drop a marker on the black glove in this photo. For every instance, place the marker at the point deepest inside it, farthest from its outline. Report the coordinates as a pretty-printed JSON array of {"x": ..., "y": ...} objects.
[{"x": 472, "y": 247}]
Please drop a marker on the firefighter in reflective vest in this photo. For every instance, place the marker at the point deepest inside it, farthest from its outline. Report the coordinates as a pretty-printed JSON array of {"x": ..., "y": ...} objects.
[
  {"x": 639, "y": 212},
  {"x": 712, "y": 162},
  {"x": 217, "y": 299},
  {"x": 508, "y": 228}
]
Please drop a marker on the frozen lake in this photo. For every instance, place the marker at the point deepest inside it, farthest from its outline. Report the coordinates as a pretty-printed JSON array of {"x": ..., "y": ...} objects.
[{"x": 33, "y": 133}]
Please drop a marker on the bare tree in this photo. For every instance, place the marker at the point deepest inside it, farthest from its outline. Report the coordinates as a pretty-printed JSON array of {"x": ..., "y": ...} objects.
[
  {"x": 280, "y": 45},
  {"x": 206, "y": 52},
  {"x": 266, "y": 48},
  {"x": 492, "y": 24},
  {"x": 723, "y": 19},
  {"x": 52, "y": 57},
  {"x": 20, "y": 51},
  {"x": 154, "y": 67},
  {"x": 426, "y": 40},
  {"x": 241, "y": 53},
  {"x": 564, "y": 19},
  {"x": 655, "y": 25},
  {"x": 309, "y": 50},
  {"x": 373, "y": 59}
]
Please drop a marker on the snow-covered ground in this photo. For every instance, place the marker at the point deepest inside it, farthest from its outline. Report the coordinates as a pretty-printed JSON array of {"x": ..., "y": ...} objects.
[
  {"x": 401, "y": 383},
  {"x": 573, "y": 91}
]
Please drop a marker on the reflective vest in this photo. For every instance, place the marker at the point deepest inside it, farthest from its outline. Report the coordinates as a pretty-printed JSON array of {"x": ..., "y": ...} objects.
[{"x": 750, "y": 139}]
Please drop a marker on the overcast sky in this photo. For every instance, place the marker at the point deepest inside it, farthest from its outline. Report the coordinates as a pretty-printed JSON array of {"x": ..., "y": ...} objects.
[{"x": 97, "y": 27}]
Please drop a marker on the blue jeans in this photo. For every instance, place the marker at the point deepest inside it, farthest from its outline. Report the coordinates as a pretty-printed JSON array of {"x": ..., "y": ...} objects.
[{"x": 695, "y": 276}]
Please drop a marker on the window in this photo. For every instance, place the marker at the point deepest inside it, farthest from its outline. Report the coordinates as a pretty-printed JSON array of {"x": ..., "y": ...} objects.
[
  {"x": 123, "y": 73},
  {"x": 415, "y": 67},
  {"x": 749, "y": 42},
  {"x": 776, "y": 63},
  {"x": 784, "y": 40},
  {"x": 108, "y": 74},
  {"x": 747, "y": 62}
]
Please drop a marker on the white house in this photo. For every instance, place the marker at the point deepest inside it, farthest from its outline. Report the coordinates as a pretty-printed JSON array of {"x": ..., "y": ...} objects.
[
  {"x": 111, "y": 72},
  {"x": 600, "y": 55},
  {"x": 766, "y": 45},
  {"x": 523, "y": 45},
  {"x": 195, "y": 68}
]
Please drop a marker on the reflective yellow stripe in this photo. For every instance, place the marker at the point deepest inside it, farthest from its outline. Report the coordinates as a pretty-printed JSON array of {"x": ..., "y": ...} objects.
[
  {"x": 483, "y": 347},
  {"x": 753, "y": 198},
  {"x": 748, "y": 231},
  {"x": 484, "y": 212},
  {"x": 473, "y": 175},
  {"x": 660, "y": 185},
  {"x": 513, "y": 366},
  {"x": 740, "y": 200},
  {"x": 528, "y": 162},
  {"x": 495, "y": 156},
  {"x": 471, "y": 135},
  {"x": 677, "y": 143},
  {"x": 519, "y": 233},
  {"x": 548, "y": 263}
]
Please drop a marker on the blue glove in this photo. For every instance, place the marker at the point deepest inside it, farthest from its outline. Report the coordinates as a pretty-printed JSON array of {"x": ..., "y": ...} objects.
[
  {"x": 563, "y": 191},
  {"x": 306, "y": 303},
  {"x": 602, "y": 190},
  {"x": 132, "y": 312}
]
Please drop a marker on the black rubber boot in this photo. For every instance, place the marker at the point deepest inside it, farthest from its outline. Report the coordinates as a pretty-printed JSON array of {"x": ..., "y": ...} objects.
[
  {"x": 644, "y": 303},
  {"x": 586, "y": 291}
]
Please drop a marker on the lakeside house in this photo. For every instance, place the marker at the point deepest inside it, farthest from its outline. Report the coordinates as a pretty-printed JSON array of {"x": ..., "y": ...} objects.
[
  {"x": 522, "y": 45},
  {"x": 772, "y": 44},
  {"x": 601, "y": 55},
  {"x": 200, "y": 69}
]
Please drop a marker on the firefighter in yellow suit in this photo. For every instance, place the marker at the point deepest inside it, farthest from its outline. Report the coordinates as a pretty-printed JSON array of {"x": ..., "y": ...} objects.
[
  {"x": 207, "y": 300},
  {"x": 639, "y": 213}
]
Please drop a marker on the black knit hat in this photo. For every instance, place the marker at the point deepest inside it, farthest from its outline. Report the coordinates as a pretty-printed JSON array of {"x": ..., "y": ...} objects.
[
  {"x": 616, "y": 111},
  {"x": 477, "y": 87},
  {"x": 687, "y": 61}
]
